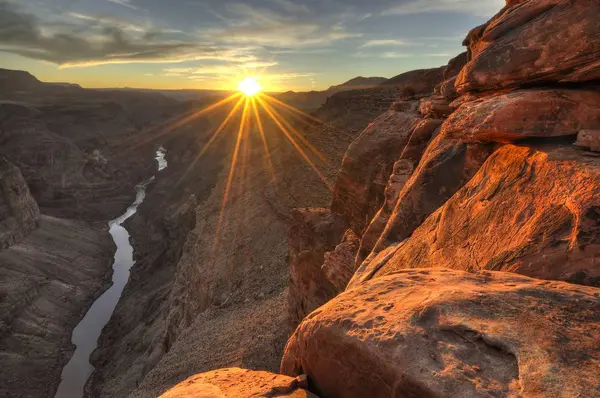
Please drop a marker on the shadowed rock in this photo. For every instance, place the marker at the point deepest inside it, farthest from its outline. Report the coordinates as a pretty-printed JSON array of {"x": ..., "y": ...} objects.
[
  {"x": 360, "y": 184},
  {"x": 19, "y": 213}
]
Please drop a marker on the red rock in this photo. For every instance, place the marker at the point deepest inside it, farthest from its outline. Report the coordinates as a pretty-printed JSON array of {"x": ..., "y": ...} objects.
[
  {"x": 445, "y": 167},
  {"x": 447, "y": 90},
  {"x": 313, "y": 233},
  {"x": 532, "y": 212},
  {"x": 455, "y": 65},
  {"x": 417, "y": 83},
  {"x": 523, "y": 114},
  {"x": 435, "y": 107},
  {"x": 239, "y": 383},
  {"x": 444, "y": 333},
  {"x": 338, "y": 265},
  {"x": 589, "y": 139},
  {"x": 535, "y": 41},
  {"x": 403, "y": 169},
  {"x": 360, "y": 184}
]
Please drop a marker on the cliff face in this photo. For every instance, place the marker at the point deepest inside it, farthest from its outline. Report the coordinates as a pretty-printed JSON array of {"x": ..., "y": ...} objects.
[
  {"x": 504, "y": 178},
  {"x": 19, "y": 213},
  {"x": 42, "y": 295}
]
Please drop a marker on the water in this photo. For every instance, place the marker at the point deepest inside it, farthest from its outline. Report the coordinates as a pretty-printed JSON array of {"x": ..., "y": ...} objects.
[{"x": 85, "y": 335}]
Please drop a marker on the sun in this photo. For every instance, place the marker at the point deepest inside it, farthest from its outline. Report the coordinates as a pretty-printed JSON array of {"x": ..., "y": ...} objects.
[{"x": 250, "y": 87}]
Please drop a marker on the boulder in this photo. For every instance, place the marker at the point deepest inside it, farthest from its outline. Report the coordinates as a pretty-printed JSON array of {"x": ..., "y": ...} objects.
[
  {"x": 442, "y": 333},
  {"x": 360, "y": 184},
  {"x": 534, "y": 42},
  {"x": 435, "y": 107},
  {"x": 589, "y": 139},
  {"x": 455, "y": 65},
  {"x": 19, "y": 212},
  {"x": 530, "y": 211},
  {"x": 239, "y": 383},
  {"x": 525, "y": 114},
  {"x": 313, "y": 233}
]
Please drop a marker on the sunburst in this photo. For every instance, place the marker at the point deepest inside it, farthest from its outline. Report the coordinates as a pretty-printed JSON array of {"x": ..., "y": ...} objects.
[{"x": 250, "y": 101}]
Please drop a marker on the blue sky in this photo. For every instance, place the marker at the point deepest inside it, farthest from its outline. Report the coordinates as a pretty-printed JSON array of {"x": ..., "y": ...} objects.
[{"x": 299, "y": 45}]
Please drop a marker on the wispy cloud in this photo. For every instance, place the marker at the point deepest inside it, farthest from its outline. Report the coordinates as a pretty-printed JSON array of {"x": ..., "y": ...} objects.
[
  {"x": 386, "y": 42},
  {"x": 268, "y": 27},
  {"x": 483, "y": 8},
  {"x": 88, "y": 41},
  {"x": 124, "y": 3}
]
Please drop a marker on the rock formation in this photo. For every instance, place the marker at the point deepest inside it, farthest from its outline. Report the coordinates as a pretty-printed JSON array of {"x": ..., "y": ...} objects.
[
  {"x": 19, "y": 213},
  {"x": 240, "y": 383},
  {"x": 442, "y": 333}
]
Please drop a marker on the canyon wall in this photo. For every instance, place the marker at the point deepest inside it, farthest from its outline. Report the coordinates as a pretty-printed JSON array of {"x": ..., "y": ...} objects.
[
  {"x": 507, "y": 184},
  {"x": 19, "y": 213},
  {"x": 42, "y": 294}
]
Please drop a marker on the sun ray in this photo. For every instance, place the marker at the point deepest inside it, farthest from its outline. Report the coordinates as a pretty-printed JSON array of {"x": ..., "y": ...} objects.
[
  {"x": 168, "y": 127},
  {"x": 234, "y": 161},
  {"x": 263, "y": 138},
  {"x": 293, "y": 109},
  {"x": 212, "y": 139},
  {"x": 302, "y": 153},
  {"x": 299, "y": 135}
]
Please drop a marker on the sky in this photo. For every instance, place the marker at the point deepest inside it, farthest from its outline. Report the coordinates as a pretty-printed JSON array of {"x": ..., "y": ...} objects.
[{"x": 296, "y": 45}]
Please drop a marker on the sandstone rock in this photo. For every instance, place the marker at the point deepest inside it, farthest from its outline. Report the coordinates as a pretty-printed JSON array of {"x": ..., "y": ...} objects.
[
  {"x": 442, "y": 333},
  {"x": 455, "y": 65},
  {"x": 589, "y": 139},
  {"x": 524, "y": 114},
  {"x": 338, "y": 265},
  {"x": 435, "y": 107},
  {"x": 533, "y": 212},
  {"x": 313, "y": 233},
  {"x": 405, "y": 106},
  {"x": 445, "y": 167},
  {"x": 534, "y": 42},
  {"x": 403, "y": 170},
  {"x": 239, "y": 383},
  {"x": 360, "y": 184},
  {"x": 447, "y": 90},
  {"x": 417, "y": 83},
  {"x": 19, "y": 213}
]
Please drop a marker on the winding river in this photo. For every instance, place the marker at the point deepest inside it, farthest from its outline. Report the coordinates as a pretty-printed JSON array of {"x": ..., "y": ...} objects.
[{"x": 85, "y": 335}]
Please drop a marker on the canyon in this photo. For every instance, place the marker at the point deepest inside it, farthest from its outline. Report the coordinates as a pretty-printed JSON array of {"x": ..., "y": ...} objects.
[{"x": 446, "y": 247}]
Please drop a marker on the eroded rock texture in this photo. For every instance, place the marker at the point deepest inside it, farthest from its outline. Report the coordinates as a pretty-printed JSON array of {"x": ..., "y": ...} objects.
[
  {"x": 361, "y": 181},
  {"x": 533, "y": 212},
  {"x": 19, "y": 213},
  {"x": 239, "y": 383},
  {"x": 525, "y": 114},
  {"x": 534, "y": 42},
  {"x": 444, "y": 333}
]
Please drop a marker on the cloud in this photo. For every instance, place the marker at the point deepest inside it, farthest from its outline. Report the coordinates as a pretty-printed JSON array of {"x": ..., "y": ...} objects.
[
  {"x": 95, "y": 40},
  {"x": 266, "y": 27},
  {"x": 386, "y": 42},
  {"x": 124, "y": 3},
  {"x": 480, "y": 8}
]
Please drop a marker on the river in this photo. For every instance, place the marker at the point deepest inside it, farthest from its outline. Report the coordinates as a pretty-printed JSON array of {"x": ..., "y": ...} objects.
[{"x": 85, "y": 335}]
